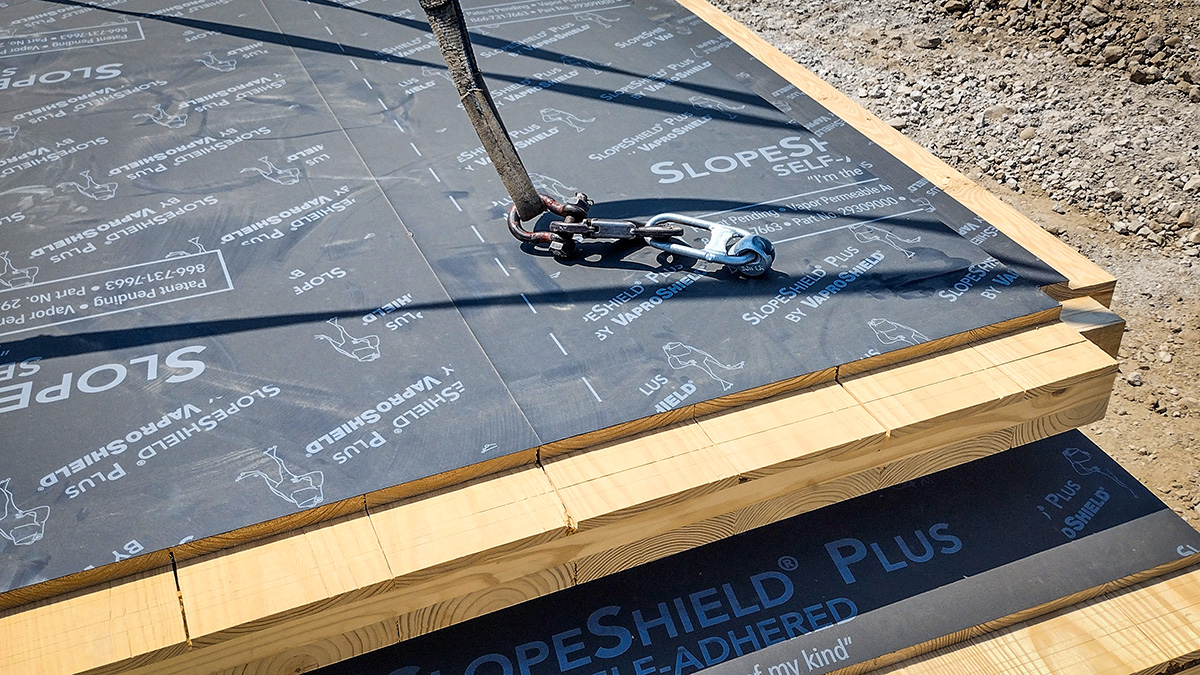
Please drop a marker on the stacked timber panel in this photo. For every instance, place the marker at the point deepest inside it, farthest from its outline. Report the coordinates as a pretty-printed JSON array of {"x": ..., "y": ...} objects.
[
  {"x": 387, "y": 568},
  {"x": 433, "y": 559},
  {"x": 226, "y": 385},
  {"x": 943, "y": 557}
]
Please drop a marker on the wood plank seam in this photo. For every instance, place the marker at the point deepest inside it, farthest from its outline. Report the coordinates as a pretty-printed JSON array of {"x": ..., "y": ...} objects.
[
  {"x": 572, "y": 523},
  {"x": 890, "y": 430},
  {"x": 126, "y": 624},
  {"x": 187, "y": 634},
  {"x": 394, "y": 626},
  {"x": 1138, "y": 627}
]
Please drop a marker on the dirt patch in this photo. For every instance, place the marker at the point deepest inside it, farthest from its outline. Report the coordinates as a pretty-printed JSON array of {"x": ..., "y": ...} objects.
[{"x": 1086, "y": 117}]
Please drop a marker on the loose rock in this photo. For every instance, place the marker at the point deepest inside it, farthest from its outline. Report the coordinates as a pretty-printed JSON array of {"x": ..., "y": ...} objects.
[
  {"x": 1143, "y": 74},
  {"x": 1092, "y": 16},
  {"x": 1113, "y": 53}
]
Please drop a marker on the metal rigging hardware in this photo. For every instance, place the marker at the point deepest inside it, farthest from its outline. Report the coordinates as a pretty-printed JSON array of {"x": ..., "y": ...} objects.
[{"x": 748, "y": 253}]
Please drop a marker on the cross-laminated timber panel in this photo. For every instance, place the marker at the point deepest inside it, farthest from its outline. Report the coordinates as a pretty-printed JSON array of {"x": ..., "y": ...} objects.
[
  {"x": 291, "y": 602},
  {"x": 1150, "y": 627},
  {"x": 335, "y": 589}
]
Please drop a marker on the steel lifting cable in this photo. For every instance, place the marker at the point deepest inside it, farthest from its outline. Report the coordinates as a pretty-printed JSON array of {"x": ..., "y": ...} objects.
[{"x": 748, "y": 253}]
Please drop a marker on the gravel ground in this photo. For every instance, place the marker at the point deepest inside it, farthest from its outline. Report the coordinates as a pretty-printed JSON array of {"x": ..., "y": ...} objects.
[{"x": 1086, "y": 117}]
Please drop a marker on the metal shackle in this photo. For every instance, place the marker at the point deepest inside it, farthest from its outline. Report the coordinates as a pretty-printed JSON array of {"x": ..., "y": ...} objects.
[{"x": 750, "y": 254}]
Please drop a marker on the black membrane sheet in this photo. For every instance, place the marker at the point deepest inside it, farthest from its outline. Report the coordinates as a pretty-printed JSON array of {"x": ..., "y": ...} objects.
[
  {"x": 837, "y": 586},
  {"x": 252, "y": 256}
]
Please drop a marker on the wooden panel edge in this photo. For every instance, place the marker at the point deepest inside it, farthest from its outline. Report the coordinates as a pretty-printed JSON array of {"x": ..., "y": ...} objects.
[
  {"x": 635, "y": 473},
  {"x": 785, "y": 496},
  {"x": 244, "y": 590},
  {"x": 934, "y": 347},
  {"x": 702, "y": 503},
  {"x": 662, "y": 420},
  {"x": 451, "y": 479},
  {"x": 1084, "y": 276},
  {"x": 275, "y": 527},
  {"x": 320, "y": 652},
  {"x": 485, "y": 601},
  {"x": 1099, "y": 324},
  {"x": 83, "y": 580},
  {"x": 439, "y": 539},
  {"x": 894, "y": 663},
  {"x": 112, "y": 627}
]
